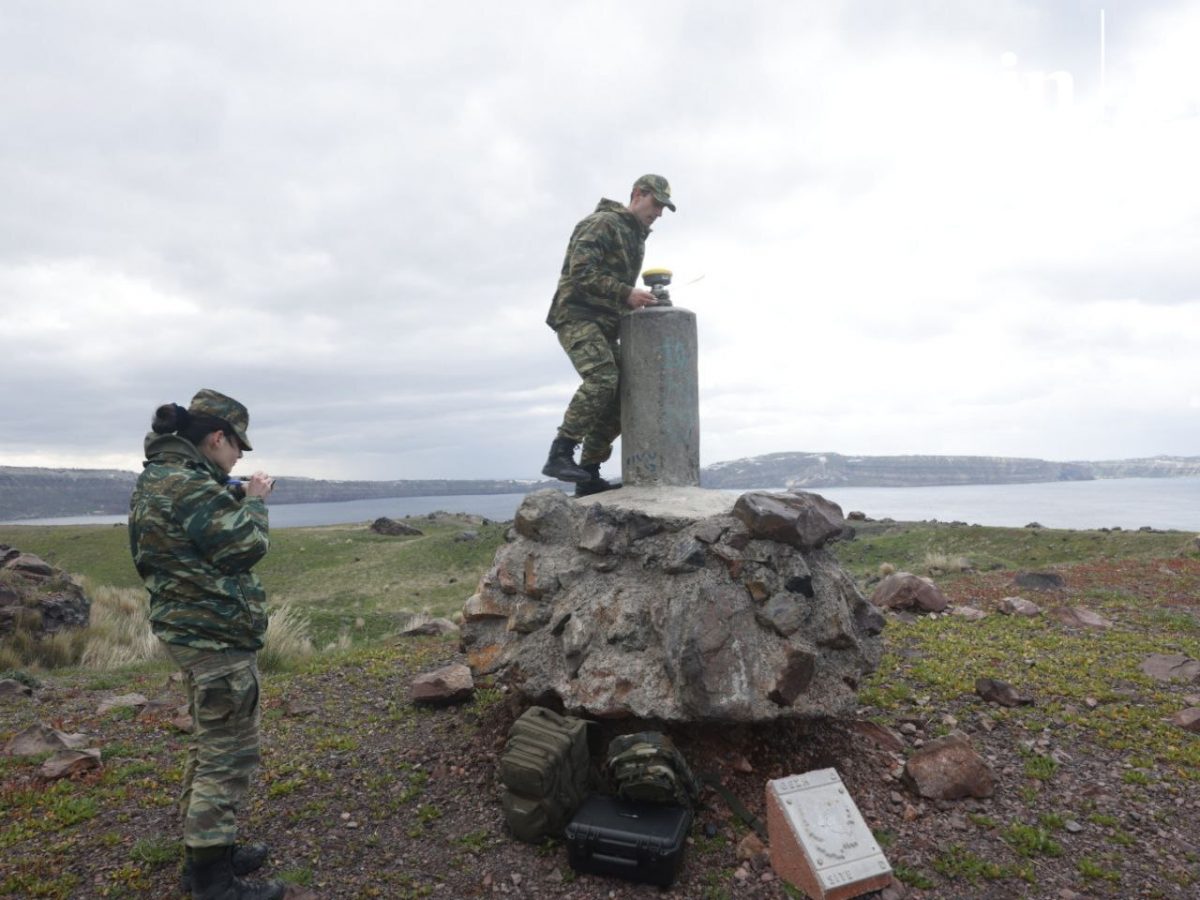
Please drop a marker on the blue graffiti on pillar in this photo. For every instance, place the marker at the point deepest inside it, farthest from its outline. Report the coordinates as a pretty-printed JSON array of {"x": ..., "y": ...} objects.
[{"x": 646, "y": 461}]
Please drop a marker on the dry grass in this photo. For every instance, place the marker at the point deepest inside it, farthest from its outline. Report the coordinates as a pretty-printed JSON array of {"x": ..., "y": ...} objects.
[
  {"x": 415, "y": 619},
  {"x": 343, "y": 643},
  {"x": 119, "y": 635},
  {"x": 119, "y": 632},
  {"x": 338, "y": 574},
  {"x": 938, "y": 563},
  {"x": 288, "y": 640},
  {"x": 23, "y": 649}
]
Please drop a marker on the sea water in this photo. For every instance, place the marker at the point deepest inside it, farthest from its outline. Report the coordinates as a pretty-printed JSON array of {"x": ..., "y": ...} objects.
[{"x": 1129, "y": 503}]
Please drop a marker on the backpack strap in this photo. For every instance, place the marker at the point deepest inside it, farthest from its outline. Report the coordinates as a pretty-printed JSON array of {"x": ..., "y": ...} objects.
[
  {"x": 735, "y": 805},
  {"x": 684, "y": 772}
]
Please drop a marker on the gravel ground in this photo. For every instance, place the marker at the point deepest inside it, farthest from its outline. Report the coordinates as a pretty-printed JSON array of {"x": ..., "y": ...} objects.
[{"x": 363, "y": 795}]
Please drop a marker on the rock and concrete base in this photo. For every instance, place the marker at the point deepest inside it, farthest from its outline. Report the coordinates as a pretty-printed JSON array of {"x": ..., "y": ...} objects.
[
  {"x": 819, "y": 841},
  {"x": 675, "y": 604},
  {"x": 677, "y": 502}
]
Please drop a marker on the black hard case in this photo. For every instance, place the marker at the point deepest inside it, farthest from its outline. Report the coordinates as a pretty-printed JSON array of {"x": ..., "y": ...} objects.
[{"x": 637, "y": 841}]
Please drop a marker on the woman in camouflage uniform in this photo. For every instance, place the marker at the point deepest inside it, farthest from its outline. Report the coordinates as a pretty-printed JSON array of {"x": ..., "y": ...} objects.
[{"x": 195, "y": 539}]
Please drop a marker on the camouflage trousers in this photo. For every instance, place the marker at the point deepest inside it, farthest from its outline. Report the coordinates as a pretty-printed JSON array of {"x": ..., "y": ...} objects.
[
  {"x": 594, "y": 413},
  {"x": 222, "y": 692}
]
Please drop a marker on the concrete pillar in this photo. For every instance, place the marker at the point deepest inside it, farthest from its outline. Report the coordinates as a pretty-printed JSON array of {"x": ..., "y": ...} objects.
[{"x": 660, "y": 398}]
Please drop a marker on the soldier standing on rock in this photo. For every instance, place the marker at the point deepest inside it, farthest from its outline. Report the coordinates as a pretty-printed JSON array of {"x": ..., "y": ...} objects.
[
  {"x": 597, "y": 284},
  {"x": 195, "y": 540}
]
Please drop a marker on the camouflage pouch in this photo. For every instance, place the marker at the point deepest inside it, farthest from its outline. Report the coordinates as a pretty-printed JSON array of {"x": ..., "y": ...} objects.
[
  {"x": 647, "y": 767},
  {"x": 543, "y": 772}
]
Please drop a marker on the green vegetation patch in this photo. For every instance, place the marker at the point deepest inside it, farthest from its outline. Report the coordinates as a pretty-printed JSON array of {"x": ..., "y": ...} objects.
[
  {"x": 355, "y": 582},
  {"x": 1093, "y": 870},
  {"x": 475, "y": 841},
  {"x": 960, "y": 863},
  {"x": 330, "y": 589},
  {"x": 156, "y": 851},
  {"x": 24, "y": 884},
  {"x": 1040, "y": 767},
  {"x": 101, "y": 552},
  {"x": 913, "y": 547},
  {"x": 913, "y": 877},
  {"x": 1062, "y": 668},
  {"x": 354, "y": 588},
  {"x": 1031, "y": 840},
  {"x": 338, "y": 563},
  {"x": 32, "y": 811}
]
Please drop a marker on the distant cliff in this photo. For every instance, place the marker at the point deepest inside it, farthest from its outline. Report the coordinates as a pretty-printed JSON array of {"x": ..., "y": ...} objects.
[
  {"x": 314, "y": 490},
  {"x": 1151, "y": 467},
  {"x": 817, "y": 470},
  {"x": 27, "y": 493}
]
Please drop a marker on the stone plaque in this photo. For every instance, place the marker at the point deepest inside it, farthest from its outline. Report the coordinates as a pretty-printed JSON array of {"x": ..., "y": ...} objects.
[{"x": 819, "y": 841}]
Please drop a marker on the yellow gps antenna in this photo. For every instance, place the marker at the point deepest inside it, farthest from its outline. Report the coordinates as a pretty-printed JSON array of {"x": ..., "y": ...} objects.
[{"x": 657, "y": 281}]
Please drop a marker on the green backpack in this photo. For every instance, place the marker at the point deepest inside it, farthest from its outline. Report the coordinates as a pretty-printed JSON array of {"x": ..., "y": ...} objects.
[
  {"x": 647, "y": 767},
  {"x": 544, "y": 773}
]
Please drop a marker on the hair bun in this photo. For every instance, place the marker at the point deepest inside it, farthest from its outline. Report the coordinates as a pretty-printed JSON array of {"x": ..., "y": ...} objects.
[{"x": 169, "y": 418}]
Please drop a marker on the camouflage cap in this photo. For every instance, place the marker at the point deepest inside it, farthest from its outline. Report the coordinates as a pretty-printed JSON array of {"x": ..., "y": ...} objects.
[
  {"x": 658, "y": 186},
  {"x": 208, "y": 402}
]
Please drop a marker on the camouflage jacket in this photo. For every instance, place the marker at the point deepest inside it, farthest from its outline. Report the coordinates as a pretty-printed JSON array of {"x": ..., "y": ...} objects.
[
  {"x": 601, "y": 267},
  {"x": 194, "y": 544}
]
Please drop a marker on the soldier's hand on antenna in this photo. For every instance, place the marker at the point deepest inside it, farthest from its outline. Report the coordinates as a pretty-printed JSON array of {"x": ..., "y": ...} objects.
[
  {"x": 638, "y": 299},
  {"x": 657, "y": 281}
]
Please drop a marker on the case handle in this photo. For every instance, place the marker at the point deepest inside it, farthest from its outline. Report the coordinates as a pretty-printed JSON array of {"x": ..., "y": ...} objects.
[{"x": 615, "y": 860}]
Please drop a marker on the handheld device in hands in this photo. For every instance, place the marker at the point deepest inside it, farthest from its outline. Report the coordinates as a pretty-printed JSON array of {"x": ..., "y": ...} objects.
[{"x": 237, "y": 485}]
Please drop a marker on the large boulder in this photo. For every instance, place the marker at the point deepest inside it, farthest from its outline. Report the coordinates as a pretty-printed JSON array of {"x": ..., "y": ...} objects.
[
  {"x": 449, "y": 684},
  {"x": 11, "y": 689},
  {"x": 1078, "y": 617},
  {"x": 1040, "y": 581},
  {"x": 384, "y": 525},
  {"x": 948, "y": 768},
  {"x": 1171, "y": 667},
  {"x": 1188, "y": 719},
  {"x": 37, "y": 598},
  {"x": 803, "y": 520},
  {"x": 903, "y": 590},
  {"x": 619, "y": 612},
  {"x": 42, "y": 738}
]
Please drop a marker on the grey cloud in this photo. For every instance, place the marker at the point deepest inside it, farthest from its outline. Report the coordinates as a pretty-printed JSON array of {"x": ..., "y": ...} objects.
[
  {"x": 1144, "y": 277},
  {"x": 358, "y": 199}
]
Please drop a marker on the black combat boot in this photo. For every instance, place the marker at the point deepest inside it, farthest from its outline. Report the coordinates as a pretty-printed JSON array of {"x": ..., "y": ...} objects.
[
  {"x": 595, "y": 484},
  {"x": 247, "y": 858},
  {"x": 560, "y": 463},
  {"x": 213, "y": 879}
]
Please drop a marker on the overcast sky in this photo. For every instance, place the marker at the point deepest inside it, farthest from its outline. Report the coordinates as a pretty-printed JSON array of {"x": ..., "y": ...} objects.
[{"x": 905, "y": 227}]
